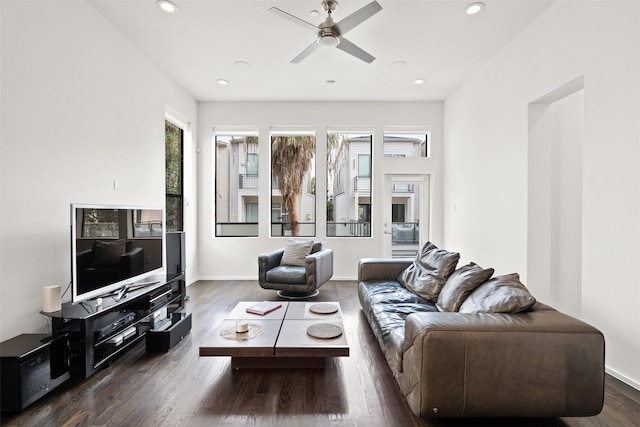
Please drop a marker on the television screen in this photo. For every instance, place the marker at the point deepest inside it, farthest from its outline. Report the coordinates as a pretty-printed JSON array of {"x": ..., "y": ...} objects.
[{"x": 113, "y": 246}]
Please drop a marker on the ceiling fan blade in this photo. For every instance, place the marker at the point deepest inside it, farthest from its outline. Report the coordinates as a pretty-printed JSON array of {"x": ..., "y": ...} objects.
[
  {"x": 308, "y": 51},
  {"x": 358, "y": 17},
  {"x": 295, "y": 19},
  {"x": 346, "y": 46}
]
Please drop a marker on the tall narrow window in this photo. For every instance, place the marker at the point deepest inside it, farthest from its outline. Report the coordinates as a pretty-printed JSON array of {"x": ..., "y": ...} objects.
[
  {"x": 293, "y": 189},
  {"x": 236, "y": 184},
  {"x": 349, "y": 184},
  {"x": 174, "y": 145}
]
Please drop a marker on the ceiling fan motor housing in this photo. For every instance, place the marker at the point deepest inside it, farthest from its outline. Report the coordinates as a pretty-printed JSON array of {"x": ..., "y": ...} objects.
[{"x": 328, "y": 36}]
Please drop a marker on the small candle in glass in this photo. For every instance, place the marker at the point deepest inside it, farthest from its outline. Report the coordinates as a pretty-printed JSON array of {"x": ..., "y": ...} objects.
[{"x": 242, "y": 326}]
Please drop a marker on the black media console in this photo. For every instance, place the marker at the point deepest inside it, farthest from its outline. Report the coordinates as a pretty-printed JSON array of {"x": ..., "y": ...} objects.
[{"x": 99, "y": 333}]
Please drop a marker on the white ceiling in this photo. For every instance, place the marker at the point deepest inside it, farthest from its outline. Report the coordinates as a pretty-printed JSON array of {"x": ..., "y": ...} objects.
[{"x": 201, "y": 42}]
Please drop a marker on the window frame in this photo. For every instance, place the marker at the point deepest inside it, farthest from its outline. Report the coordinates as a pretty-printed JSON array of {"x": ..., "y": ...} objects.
[
  {"x": 245, "y": 194},
  {"x": 307, "y": 219},
  {"x": 346, "y": 181}
]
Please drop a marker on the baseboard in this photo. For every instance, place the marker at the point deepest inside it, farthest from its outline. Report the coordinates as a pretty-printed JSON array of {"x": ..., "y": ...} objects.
[{"x": 622, "y": 378}]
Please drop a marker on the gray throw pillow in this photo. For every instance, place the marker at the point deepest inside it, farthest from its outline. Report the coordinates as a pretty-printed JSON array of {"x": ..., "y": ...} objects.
[
  {"x": 458, "y": 286},
  {"x": 428, "y": 273},
  {"x": 502, "y": 294},
  {"x": 295, "y": 252}
]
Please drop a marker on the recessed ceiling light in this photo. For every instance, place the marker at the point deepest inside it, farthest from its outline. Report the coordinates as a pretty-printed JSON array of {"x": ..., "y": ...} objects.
[
  {"x": 398, "y": 65},
  {"x": 418, "y": 81},
  {"x": 243, "y": 65},
  {"x": 314, "y": 13},
  {"x": 167, "y": 6},
  {"x": 474, "y": 8},
  {"x": 223, "y": 82}
]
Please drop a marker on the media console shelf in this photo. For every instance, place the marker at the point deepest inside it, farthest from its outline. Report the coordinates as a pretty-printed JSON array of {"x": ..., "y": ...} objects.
[{"x": 99, "y": 333}]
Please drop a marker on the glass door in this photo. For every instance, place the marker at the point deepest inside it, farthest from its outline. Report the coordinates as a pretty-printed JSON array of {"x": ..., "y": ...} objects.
[{"x": 406, "y": 214}]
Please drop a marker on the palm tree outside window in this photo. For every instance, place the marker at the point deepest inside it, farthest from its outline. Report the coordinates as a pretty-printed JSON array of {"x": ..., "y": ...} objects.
[{"x": 293, "y": 175}]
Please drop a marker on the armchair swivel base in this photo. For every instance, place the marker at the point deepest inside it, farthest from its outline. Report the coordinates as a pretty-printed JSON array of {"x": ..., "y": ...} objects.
[{"x": 296, "y": 295}]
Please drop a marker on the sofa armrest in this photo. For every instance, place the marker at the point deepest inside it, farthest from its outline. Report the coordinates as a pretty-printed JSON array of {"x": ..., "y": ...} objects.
[
  {"x": 382, "y": 268},
  {"x": 536, "y": 364},
  {"x": 319, "y": 267},
  {"x": 267, "y": 261},
  {"x": 132, "y": 263},
  {"x": 84, "y": 259}
]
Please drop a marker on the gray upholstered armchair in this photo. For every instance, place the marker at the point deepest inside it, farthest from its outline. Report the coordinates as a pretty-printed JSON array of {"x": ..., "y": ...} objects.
[{"x": 293, "y": 281}]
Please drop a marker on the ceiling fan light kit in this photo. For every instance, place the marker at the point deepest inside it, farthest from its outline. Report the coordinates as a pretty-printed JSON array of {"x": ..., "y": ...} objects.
[{"x": 330, "y": 33}]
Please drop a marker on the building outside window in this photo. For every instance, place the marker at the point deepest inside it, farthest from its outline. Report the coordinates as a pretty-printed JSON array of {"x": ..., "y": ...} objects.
[
  {"x": 407, "y": 145},
  {"x": 236, "y": 189},
  {"x": 349, "y": 184}
]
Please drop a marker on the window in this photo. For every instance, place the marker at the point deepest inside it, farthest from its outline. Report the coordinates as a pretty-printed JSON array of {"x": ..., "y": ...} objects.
[
  {"x": 364, "y": 165},
  {"x": 174, "y": 145},
  {"x": 397, "y": 212},
  {"x": 364, "y": 212},
  {"x": 251, "y": 212},
  {"x": 100, "y": 223},
  {"x": 407, "y": 145},
  {"x": 293, "y": 198},
  {"x": 236, "y": 184},
  {"x": 349, "y": 184},
  {"x": 147, "y": 223},
  {"x": 252, "y": 164}
]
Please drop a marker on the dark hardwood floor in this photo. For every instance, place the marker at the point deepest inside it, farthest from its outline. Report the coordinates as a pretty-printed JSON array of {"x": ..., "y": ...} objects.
[{"x": 179, "y": 388}]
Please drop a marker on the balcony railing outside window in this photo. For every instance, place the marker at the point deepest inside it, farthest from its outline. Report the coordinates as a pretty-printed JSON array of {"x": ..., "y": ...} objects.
[
  {"x": 307, "y": 229},
  {"x": 247, "y": 181},
  {"x": 237, "y": 229},
  {"x": 351, "y": 228},
  {"x": 362, "y": 184},
  {"x": 402, "y": 188},
  {"x": 405, "y": 233}
]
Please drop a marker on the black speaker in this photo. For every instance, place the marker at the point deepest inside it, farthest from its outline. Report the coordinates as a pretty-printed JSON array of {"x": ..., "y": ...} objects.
[
  {"x": 176, "y": 257},
  {"x": 31, "y": 365}
]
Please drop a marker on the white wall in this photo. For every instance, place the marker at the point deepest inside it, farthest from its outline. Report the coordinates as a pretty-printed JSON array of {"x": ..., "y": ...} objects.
[
  {"x": 236, "y": 258},
  {"x": 485, "y": 160},
  {"x": 80, "y": 107}
]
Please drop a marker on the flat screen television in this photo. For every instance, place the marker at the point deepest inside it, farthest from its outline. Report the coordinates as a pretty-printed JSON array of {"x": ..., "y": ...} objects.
[{"x": 115, "y": 248}]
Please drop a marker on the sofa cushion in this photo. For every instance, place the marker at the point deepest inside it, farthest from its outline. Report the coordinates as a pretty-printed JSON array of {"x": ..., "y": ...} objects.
[
  {"x": 295, "y": 252},
  {"x": 458, "y": 286},
  {"x": 289, "y": 274},
  {"x": 388, "y": 304},
  {"x": 502, "y": 294},
  {"x": 429, "y": 272}
]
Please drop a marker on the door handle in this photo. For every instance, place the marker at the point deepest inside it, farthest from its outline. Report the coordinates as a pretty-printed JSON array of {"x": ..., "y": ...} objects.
[{"x": 388, "y": 232}]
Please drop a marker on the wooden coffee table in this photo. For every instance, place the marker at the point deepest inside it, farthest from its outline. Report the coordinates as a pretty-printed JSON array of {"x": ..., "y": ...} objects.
[{"x": 283, "y": 340}]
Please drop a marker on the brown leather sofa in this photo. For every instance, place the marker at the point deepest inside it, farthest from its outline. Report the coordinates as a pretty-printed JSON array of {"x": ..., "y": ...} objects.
[{"x": 538, "y": 363}]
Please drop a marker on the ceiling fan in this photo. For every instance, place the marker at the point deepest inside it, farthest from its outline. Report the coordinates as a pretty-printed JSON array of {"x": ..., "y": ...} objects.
[{"x": 331, "y": 33}]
